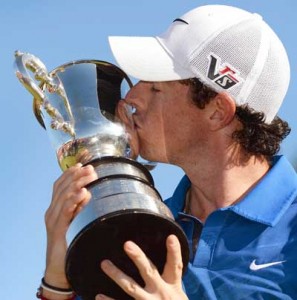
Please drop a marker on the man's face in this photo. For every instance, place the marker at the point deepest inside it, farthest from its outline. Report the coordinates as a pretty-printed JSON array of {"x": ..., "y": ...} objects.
[{"x": 164, "y": 119}]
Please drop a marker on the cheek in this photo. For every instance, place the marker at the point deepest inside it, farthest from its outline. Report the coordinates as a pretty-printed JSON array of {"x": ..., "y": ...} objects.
[
  {"x": 184, "y": 129},
  {"x": 152, "y": 144},
  {"x": 154, "y": 120},
  {"x": 152, "y": 135}
]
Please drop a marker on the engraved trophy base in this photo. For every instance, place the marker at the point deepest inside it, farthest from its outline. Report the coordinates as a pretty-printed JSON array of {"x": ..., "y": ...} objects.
[{"x": 127, "y": 208}]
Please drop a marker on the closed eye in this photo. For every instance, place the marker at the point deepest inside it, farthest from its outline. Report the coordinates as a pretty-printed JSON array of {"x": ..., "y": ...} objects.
[{"x": 154, "y": 89}]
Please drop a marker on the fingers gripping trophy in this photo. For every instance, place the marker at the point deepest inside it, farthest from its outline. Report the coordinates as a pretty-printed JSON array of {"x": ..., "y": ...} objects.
[{"x": 79, "y": 104}]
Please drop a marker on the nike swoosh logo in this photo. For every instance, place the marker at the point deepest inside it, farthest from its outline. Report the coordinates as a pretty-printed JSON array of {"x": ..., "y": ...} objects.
[
  {"x": 180, "y": 20},
  {"x": 255, "y": 267}
]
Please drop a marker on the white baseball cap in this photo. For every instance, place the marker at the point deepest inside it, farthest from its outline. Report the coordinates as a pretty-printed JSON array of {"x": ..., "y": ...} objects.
[{"x": 227, "y": 48}]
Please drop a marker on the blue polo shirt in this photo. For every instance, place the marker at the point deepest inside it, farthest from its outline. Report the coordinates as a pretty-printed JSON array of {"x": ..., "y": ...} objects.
[{"x": 248, "y": 250}]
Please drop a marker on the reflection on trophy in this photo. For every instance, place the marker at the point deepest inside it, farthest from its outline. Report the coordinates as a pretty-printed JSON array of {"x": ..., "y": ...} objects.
[{"x": 79, "y": 104}]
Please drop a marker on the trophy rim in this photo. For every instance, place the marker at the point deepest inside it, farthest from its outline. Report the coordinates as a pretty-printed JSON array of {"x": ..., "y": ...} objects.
[{"x": 36, "y": 109}]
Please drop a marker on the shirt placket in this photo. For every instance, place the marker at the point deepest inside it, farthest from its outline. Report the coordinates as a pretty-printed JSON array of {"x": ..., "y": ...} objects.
[{"x": 208, "y": 239}]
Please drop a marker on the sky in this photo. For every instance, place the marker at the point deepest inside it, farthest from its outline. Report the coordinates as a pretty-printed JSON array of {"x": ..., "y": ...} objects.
[{"x": 59, "y": 31}]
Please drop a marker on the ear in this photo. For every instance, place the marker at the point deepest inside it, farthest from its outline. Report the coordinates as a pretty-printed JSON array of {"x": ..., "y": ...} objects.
[{"x": 223, "y": 111}]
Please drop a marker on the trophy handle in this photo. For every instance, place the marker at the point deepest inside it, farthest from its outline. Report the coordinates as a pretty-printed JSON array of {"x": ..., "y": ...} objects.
[{"x": 26, "y": 61}]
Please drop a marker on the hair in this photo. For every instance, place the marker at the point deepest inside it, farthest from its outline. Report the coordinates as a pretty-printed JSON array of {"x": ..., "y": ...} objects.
[{"x": 255, "y": 136}]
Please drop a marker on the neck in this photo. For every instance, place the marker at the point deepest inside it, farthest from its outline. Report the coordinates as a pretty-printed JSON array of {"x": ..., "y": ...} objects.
[{"x": 220, "y": 183}]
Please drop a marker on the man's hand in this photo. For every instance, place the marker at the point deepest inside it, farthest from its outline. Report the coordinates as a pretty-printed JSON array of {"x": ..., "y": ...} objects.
[
  {"x": 157, "y": 287},
  {"x": 69, "y": 198}
]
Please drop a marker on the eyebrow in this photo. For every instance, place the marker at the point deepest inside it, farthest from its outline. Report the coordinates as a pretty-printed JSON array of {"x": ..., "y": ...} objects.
[{"x": 181, "y": 20}]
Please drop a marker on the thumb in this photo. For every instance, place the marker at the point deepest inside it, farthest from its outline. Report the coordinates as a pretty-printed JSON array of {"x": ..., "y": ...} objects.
[{"x": 174, "y": 265}]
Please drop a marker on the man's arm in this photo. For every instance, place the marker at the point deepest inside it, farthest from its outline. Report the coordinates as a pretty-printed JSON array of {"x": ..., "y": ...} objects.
[{"x": 69, "y": 197}]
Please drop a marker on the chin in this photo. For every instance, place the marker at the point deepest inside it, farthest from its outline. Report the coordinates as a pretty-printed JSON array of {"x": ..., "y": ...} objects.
[
  {"x": 153, "y": 153},
  {"x": 153, "y": 157},
  {"x": 147, "y": 156}
]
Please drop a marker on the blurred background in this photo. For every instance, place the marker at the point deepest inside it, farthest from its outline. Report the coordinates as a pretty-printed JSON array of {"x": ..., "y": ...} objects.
[{"x": 58, "y": 32}]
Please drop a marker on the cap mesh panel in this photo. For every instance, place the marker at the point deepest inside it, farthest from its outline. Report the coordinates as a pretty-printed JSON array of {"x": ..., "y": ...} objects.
[{"x": 238, "y": 46}]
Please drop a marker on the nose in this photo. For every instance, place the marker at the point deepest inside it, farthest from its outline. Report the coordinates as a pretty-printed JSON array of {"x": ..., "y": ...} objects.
[{"x": 135, "y": 96}]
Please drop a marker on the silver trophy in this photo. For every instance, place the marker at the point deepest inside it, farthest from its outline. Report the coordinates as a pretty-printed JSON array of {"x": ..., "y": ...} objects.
[{"x": 79, "y": 104}]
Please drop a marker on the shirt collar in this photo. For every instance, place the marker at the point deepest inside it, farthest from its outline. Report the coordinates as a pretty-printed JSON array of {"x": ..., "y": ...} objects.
[
  {"x": 272, "y": 195},
  {"x": 265, "y": 203},
  {"x": 177, "y": 201}
]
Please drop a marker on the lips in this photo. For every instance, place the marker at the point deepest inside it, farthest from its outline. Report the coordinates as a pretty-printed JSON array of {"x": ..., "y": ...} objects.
[
  {"x": 135, "y": 118},
  {"x": 128, "y": 114}
]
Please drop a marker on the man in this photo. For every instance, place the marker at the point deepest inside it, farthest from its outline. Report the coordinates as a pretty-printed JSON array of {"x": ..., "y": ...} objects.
[{"x": 207, "y": 99}]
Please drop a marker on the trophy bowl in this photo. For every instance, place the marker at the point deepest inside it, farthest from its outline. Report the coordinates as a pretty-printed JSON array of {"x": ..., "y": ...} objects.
[{"x": 79, "y": 104}]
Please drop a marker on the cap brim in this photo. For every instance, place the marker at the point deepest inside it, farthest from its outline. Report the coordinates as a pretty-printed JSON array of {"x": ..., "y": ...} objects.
[{"x": 146, "y": 59}]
